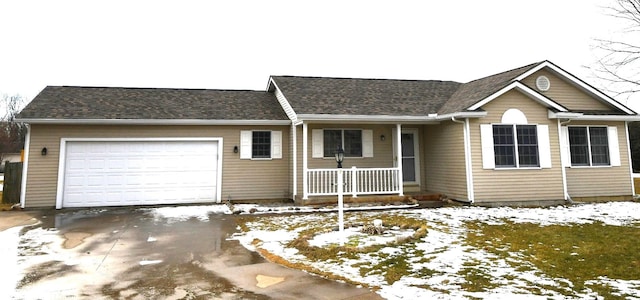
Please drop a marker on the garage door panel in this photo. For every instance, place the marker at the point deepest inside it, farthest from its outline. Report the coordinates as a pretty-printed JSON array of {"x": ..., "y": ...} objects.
[{"x": 107, "y": 173}]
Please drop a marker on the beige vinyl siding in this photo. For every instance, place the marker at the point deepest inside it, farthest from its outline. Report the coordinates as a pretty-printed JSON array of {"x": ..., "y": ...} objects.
[
  {"x": 566, "y": 94},
  {"x": 241, "y": 179},
  {"x": 602, "y": 181},
  {"x": 516, "y": 184},
  {"x": 444, "y": 160}
]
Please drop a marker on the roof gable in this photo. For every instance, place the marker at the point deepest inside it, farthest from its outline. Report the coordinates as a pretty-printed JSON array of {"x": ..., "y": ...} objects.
[
  {"x": 576, "y": 82},
  {"x": 114, "y": 103}
]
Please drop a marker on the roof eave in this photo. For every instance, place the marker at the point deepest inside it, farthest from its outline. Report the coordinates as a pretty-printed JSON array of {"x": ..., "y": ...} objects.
[
  {"x": 150, "y": 122},
  {"x": 620, "y": 118},
  {"x": 430, "y": 118}
]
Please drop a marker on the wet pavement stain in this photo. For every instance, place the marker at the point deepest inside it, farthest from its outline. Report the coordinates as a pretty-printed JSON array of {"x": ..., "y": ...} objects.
[
  {"x": 174, "y": 281},
  {"x": 74, "y": 239},
  {"x": 129, "y": 253},
  {"x": 44, "y": 271}
]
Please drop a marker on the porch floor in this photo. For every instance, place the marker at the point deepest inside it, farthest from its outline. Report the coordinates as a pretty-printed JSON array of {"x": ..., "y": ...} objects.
[{"x": 423, "y": 199}]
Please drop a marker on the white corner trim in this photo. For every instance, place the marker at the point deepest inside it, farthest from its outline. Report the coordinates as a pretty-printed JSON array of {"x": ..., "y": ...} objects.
[
  {"x": 523, "y": 88},
  {"x": 577, "y": 82},
  {"x": 25, "y": 167},
  {"x": 633, "y": 184},
  {"x": 63, "y": 155}
]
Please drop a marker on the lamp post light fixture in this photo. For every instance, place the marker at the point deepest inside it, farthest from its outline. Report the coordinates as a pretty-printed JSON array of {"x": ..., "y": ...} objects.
[{"x": 339, "y": 158}]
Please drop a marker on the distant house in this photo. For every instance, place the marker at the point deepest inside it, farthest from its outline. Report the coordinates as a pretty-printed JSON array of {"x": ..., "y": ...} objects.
[{"x": 531, "y": 135}]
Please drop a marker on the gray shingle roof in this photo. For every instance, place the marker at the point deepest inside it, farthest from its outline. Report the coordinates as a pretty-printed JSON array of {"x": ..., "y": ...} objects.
[
  {"x": 306, "y": 95},
  {"x": 319, "y": 95},
  {"x": 476, "y": 90},
  {"x": 62, "y": 102}
]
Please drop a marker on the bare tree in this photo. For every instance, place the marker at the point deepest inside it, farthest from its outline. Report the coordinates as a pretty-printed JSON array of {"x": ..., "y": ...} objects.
[
  {"x": 12, "y": 133},
  {"x": 619, "y": 62}
]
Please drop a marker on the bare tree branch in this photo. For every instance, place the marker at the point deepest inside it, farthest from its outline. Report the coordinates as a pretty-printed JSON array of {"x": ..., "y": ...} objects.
[{"x": 619, "y": 58}]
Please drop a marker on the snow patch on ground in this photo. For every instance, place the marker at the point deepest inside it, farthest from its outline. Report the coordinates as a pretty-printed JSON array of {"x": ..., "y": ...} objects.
[
  {"x": 445, "y": 252},
  {"x": 9, "y": 258}
]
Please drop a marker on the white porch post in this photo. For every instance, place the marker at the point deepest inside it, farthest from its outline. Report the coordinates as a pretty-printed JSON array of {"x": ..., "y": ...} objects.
[
  {"x": 305, "y": 183},
  {"x": 399, "y": 158},
  {"x": 294, "y": 146},
  {"x": 354, "y": 182}
]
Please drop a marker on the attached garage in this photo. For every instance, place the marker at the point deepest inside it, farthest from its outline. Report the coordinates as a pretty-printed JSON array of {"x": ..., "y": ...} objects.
[{"x": 119, "y": 172}]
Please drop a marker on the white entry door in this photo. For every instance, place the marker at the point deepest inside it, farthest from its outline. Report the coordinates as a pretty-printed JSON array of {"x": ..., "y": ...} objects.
[{"x": 117, "y": 173}]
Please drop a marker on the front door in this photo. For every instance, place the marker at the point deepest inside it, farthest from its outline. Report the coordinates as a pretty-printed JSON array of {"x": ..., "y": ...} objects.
[{"x": 410, "y": 156}]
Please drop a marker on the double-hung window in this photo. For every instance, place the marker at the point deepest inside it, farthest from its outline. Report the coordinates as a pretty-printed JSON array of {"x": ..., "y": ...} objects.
[
  {"x": 515, "y": 146},
  {"x": 354, "y": 142},
  {"x": 350, "y": 140},
  {"x": 589, "y": 145},
  {"x": 260, "y": 144},
  {"x": 509, "y": 146}
]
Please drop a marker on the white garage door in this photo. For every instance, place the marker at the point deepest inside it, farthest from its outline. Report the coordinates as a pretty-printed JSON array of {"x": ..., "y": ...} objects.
[{"x": 114, "y": 173}]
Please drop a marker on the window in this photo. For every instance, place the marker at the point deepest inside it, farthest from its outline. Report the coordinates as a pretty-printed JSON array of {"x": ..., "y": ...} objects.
[
  {"x": 355, "y": 142},
  {"x": 589, "y": 146},
  {"x": 515, "y": 150},
  {"x": 349, "y": 140},
  {"x": 261, "y": 144}
]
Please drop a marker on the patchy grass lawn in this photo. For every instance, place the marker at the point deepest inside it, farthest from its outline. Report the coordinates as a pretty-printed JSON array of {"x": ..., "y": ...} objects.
[{"x": 584, "y": 251}]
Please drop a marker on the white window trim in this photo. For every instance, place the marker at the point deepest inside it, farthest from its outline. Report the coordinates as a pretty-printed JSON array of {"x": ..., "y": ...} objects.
[
  {"x": 613, "y": 145},
  {"x": 488, "y": 154},
  {"x": 246, "y": 149},
  {"x": 317, "y": 141}
]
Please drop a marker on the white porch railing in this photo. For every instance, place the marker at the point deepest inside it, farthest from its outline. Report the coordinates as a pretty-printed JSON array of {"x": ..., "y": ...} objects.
[{"x": 366, "y": 181}]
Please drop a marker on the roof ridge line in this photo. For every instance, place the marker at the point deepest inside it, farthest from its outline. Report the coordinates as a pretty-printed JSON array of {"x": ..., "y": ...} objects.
[{"x": 358, "y": 78}]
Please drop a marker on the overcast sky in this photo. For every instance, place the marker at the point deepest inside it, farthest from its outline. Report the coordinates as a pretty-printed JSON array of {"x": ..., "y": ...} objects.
[{"x": 238, "y": 44}]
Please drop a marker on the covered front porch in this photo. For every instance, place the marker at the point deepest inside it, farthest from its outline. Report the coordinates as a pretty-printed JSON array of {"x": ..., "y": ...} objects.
[{"x": 377, "y": 162}]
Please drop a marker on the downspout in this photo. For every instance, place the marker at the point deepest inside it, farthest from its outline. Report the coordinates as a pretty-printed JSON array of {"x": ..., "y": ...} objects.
[
  {"x": 567, "y": 198},
  {"x": 467, "y": 157}
]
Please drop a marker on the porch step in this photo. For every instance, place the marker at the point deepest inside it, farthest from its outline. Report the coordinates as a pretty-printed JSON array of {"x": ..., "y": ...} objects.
[{"x": 423, "y": 200}]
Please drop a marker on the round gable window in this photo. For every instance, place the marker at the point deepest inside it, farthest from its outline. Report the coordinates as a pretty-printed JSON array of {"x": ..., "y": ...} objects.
[{"x": 542, "y": 83}]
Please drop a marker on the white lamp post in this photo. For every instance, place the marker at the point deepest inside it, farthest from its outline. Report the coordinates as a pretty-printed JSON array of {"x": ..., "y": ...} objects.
[{"x": 339, "y": 158}]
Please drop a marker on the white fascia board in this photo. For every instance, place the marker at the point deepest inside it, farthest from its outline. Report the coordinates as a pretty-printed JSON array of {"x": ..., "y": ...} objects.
[
  {"x": 630, "y": 118},
  {"x": 463, "y": 115},
  {"x": 583, "y": 117},
  {"x": 563, "y": 115},
  {"x": 431, "y": 118},
  {"x": 151, "y": 122},
  {"x": 523, "y": 88},
  {"x": 576, "y": 81},
  {"x": 282, "y": 100}
]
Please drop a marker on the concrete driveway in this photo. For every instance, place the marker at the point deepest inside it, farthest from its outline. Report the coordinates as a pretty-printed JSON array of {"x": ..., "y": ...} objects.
[{"x": 128, "y": 253}]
